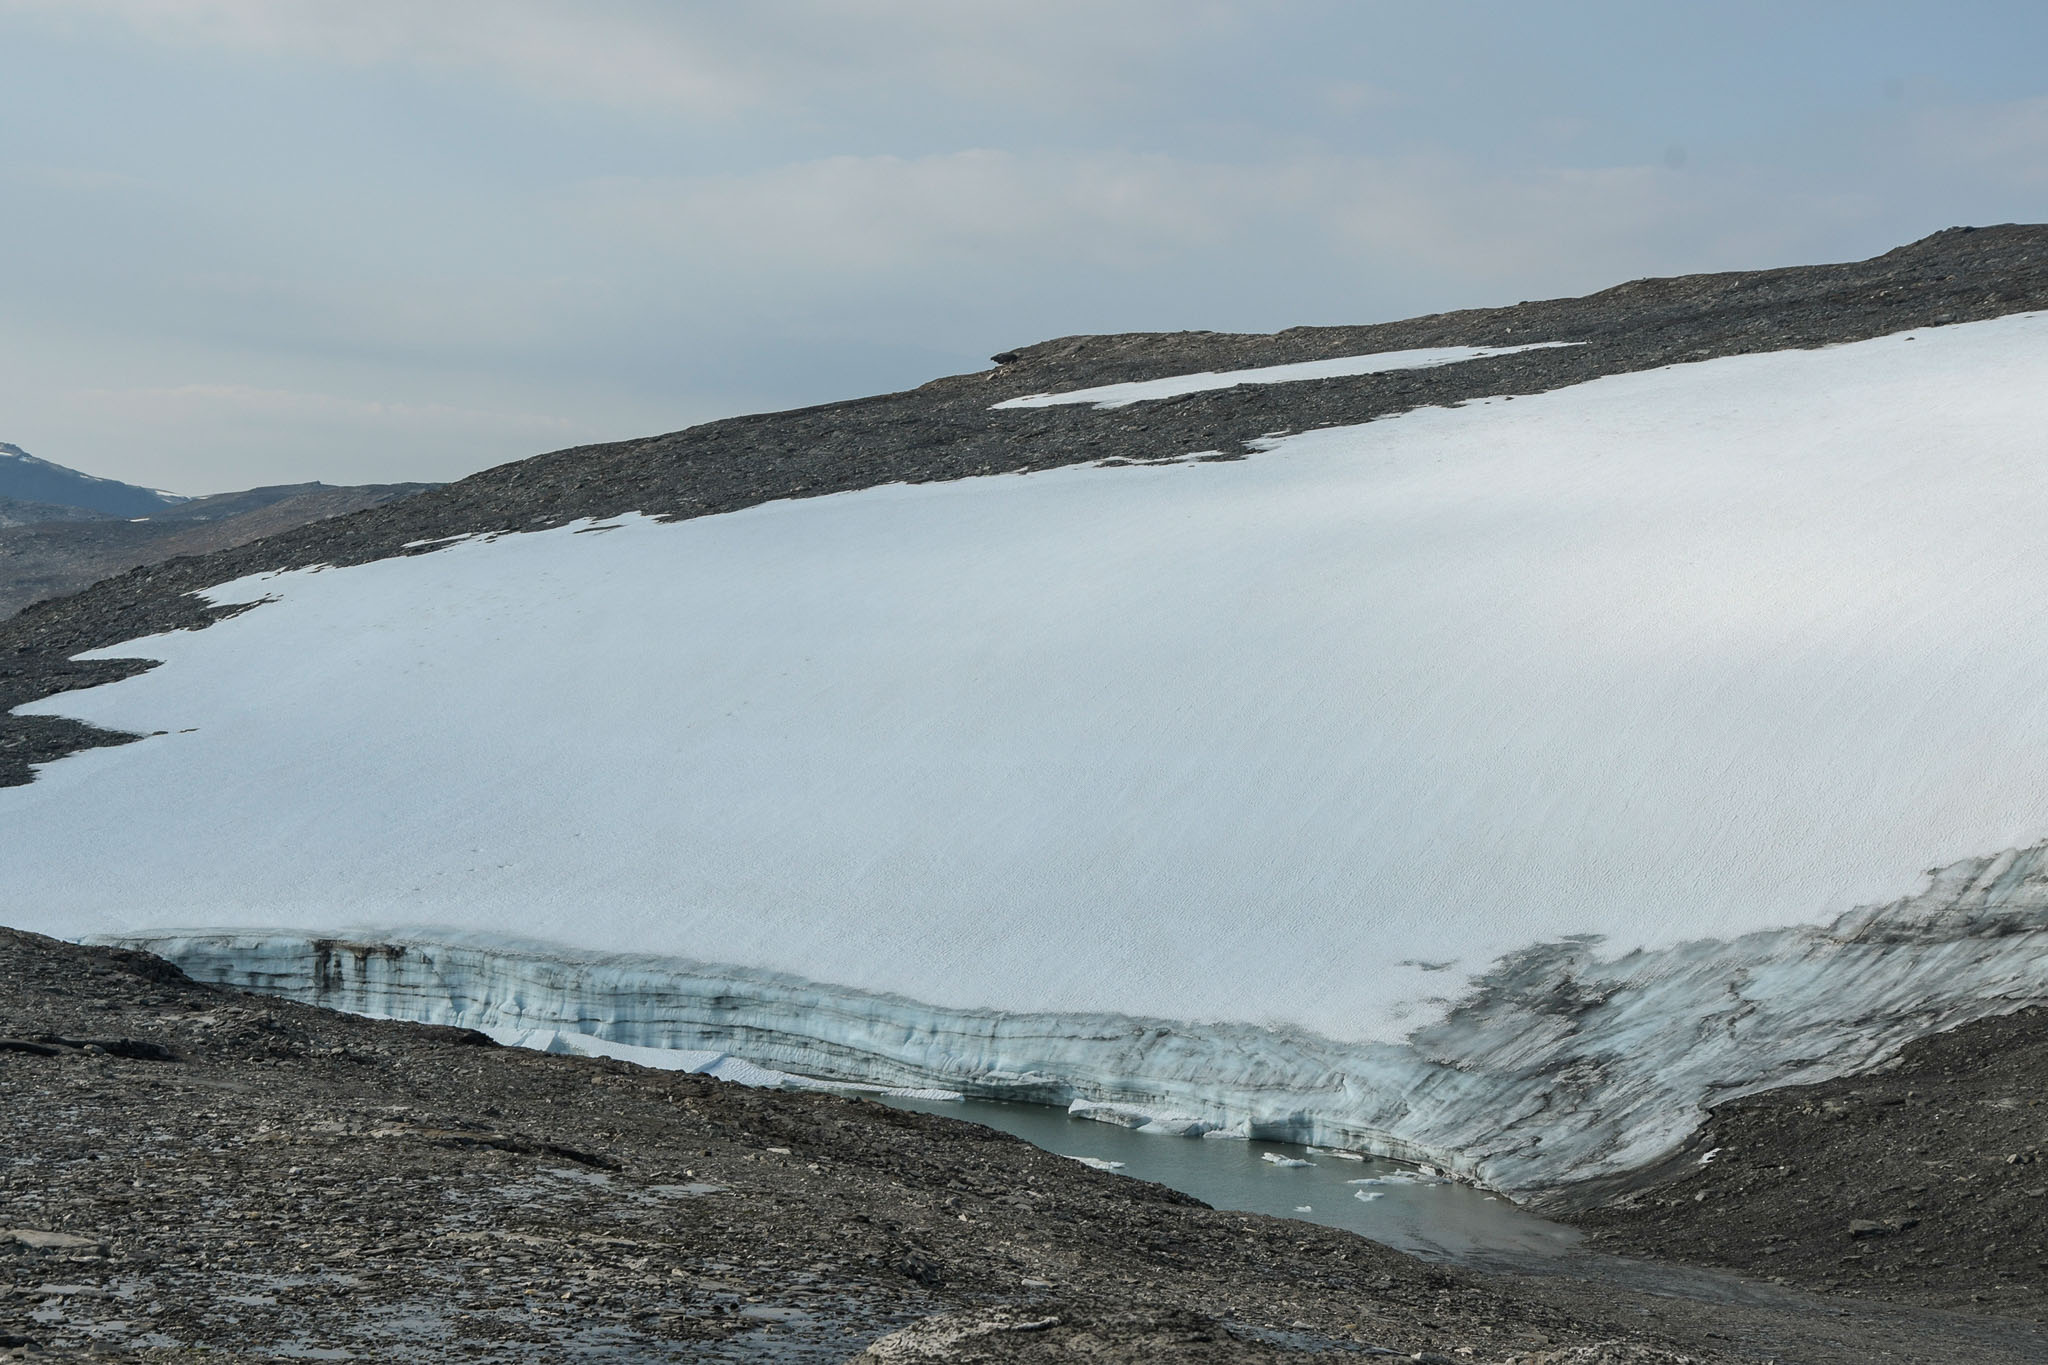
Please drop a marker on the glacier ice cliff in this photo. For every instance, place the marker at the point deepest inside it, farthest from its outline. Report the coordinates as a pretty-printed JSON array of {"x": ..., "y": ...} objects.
[{"x": 1558, "y": 1066}]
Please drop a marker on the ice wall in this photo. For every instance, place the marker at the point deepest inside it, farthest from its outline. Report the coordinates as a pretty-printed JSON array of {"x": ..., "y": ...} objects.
[{"x": 1558, "y": 1067}]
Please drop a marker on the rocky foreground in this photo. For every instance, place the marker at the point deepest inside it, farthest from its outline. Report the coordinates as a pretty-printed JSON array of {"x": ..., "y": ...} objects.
[{"x": 191, "y": 1172}]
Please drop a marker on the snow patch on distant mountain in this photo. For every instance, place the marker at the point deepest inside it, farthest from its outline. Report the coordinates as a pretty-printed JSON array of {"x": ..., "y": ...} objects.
[
  {"x": 1321, "y": 750},
  {"x": 1384, "y": 362},
  {"x": 25, "y": 478}
]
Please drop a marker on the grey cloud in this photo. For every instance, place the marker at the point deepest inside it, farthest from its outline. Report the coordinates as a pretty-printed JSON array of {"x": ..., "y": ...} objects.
[{"x": 257, "y": 240}]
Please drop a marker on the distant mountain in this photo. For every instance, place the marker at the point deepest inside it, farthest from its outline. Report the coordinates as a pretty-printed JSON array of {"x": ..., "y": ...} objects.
[
  {"x": 24, "y": 478},
  {"x": 49, "y": 551}
]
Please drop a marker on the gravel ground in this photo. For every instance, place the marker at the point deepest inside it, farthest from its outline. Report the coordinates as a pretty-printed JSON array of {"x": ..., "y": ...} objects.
[{"x": 1925, "y": 1182}]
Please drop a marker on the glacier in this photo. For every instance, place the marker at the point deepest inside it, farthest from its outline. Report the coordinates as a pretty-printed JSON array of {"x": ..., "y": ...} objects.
[
  {"x": 1558, "y": 1067},
  {"x": 1489, "y": 787}
]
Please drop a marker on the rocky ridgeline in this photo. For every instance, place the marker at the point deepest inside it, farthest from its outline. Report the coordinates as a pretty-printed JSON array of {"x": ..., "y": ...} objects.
[{"x": 947, "y": 429}]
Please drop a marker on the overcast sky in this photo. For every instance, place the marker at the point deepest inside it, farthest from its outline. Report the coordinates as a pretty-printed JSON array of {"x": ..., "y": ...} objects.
[{"x": 262, "y": 241}]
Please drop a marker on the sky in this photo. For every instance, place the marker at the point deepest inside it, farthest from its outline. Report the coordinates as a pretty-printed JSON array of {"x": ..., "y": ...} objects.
[{"x": 266, "y": 241}]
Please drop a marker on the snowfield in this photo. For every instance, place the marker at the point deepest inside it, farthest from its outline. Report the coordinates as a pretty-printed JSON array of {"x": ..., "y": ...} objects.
[
  {"x": 1284, "y": 754},
  {"x": 1108, "y": 396}
]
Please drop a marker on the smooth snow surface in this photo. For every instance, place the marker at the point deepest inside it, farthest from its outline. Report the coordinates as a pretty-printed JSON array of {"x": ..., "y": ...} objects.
[
  {"x": 1382, "y": 362},
  {"x": 1310, "y": 739}
]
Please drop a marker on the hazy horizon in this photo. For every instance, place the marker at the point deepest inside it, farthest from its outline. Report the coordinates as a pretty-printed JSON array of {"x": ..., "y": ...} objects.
[{"x": 268, "y": 241}]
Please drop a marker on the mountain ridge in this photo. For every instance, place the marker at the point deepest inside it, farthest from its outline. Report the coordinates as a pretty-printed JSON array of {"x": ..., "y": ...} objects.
[{"x": 28, "y": 478}]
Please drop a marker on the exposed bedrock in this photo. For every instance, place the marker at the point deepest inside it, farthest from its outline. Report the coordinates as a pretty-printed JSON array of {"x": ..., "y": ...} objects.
[{"x": 1557, "y": 1068}]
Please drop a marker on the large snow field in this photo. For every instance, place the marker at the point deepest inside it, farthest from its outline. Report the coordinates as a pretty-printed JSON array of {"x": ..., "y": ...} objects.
[
  {"x": 1309, "y": 738},
  {"x": 1108, "y": 396}
]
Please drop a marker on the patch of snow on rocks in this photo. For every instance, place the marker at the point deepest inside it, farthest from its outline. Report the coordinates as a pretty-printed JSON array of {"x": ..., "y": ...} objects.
[{"x": 1108, "y": 396}]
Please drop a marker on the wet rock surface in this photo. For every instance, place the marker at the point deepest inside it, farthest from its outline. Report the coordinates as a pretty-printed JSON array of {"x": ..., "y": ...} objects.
[
  {"x": 948, "y": 429},
  {"x": 1923, "y": 1182},
  {"x": 188, "y": 1172}
]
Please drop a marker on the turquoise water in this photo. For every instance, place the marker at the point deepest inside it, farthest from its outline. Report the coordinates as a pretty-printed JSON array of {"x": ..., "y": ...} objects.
[{"x": 1402, "y": 1208}]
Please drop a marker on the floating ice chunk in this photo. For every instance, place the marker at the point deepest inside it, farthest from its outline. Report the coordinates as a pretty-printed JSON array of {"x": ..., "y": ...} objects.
[
  {"x": 1367, "y": 1196},
  {"x": 1304, "y": 1208},
  {"x": 1096, "y": 1163},
  {"x": 1422, "y": 1177},
  {"x": 1383, "y": 362},
  {"x": 1143, "y": 1120},
  {"x": 1336, "y": 1154},
  {"x": 1168, "y": 1126},
  {"x": 1123, "y": 1116},
  {"x": 1279, "y": 1160}
]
